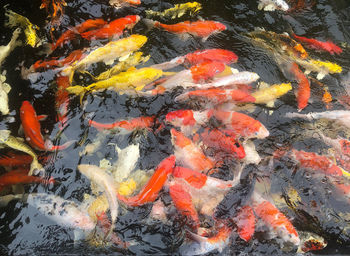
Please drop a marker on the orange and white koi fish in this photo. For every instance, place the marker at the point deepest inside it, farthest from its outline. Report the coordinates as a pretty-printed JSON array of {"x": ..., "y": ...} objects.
[
  {"x": 217, "y": 96},
  {"x": 70, "y": 34},
  {"x": 200, "y": 56},
  {"x": 55, "y": 63},
  {"x": 204, "y": 245},
  {"x": 32, "y": 130},
  {"x": 319, "y": 45},
  {"x": 189, "y": 154},
  {"x": 243, "y": 125},
  {"x": 20, "y": 176},
  {"x": 202, "y": 29},
  {"x": 312, "y": 161},
  {"x": 143, "y": 122},
  {"x": 274, "y": 219},
  {"x": 62, "y": 100},
  {"x": 151, "y": 190},
  {"x": 245, "y": 221},
  {"x": 340, "y": 116},
  {"x": 113, "y": 29}
]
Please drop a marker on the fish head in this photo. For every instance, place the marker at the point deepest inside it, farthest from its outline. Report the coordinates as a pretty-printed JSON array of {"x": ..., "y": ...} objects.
[
  {"x": 282, "y": 5},
  {"x": 181, "y": 118},
  {"x": 219, "y": 26},
  {"x": 262, "y": 132},
  {"x": 84, "y": 222},
  {"x": 179, "y": 139}
]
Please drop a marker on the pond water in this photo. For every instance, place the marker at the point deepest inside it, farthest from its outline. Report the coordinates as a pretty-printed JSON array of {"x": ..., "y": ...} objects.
[{"x": 309, "y": 200}]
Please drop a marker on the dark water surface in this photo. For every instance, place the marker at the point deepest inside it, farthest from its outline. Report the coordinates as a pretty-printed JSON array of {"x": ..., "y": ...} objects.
[{"x": 24, "y": 231}]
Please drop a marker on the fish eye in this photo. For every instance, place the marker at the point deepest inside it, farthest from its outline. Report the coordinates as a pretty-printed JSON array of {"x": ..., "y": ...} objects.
[{"x": 237, "y": 145}]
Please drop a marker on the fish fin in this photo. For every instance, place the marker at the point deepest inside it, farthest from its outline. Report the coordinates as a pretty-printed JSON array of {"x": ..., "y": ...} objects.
[
  {"x": 197, "y": 238},
  {"x": 20, "y": 130},
  {"x": 109, "y": 62},
  {"x": 320, "y": 76},
  {"x": 42, "y": 117},
  {"x": 125, "y": 57}
]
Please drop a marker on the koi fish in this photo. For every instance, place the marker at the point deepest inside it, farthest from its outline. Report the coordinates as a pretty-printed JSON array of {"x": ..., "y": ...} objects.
[
  {"x": 32, "y": 130},
  {"x": 62, "y": 100},
  {"x": 120, "y": 3},
  {"x": 20, "y": 176},
  {"x": 63, "y": 212},
  {"x": 151, "y": 190},
  {"x": 113, "y": 29},
  {"x": 271, "y": 5},
  {"x": 189, "y": 154},
  {"x": 304, "y": 91},
  {"x": 267, "y": 95},
  {"x": 30, "y": 30},
  {"x": 5, "y": 88},
  {"x": 143, "y": 122},
  {"x": 106, "y": 182},
  {"x": 323, "y": 68},
  {"x": 216, "y": 96},
  {"x": 276, "y": 220},
  {"x": 200, "y": 56},
  {"x": 340, "y": 116},
  {"x": 202, "y": 29},
  {"x": 108, "y": 53},
  {"x": 17, "y": 144},
  {"x": 179, "y": 10},
  {"x": 55, "y": 63},
  {"x": 132, "y": 79},
  {"x": 70, "y": 34},
  {"x": 312, "y": 161},
  {"x": 11, "y": 160},
  {"x": 319, "y": 45},
  {"x": 6, "y": 49},
  {"x": 245, "y": 221},
  {"x": 204, "y": 245},
  {"x": 243, "y": 125},
  {"x": 342, "y": 146},
  {"x": 132, "y": 61}
]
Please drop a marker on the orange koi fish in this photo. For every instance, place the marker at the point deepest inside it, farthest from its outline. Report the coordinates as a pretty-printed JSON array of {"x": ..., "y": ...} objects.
[
  {"x": 202, "y": 29},
  {"x": 32, "y": 130},
  {"x": 183, "y": 203},
  {"x": 245, "y": 221},
  {"x": 70, "y": 34},
  {"x": 11, "y": 159},
  {"x": 243, "y": 125},
  {"x": 143, "y": 122},
  {"x": 304, "y": 92},
  {"x": 200, "y": 56},
  {"x": 151, "y": 190},
  {"x": 217, "y": 96},
  {"x": 276, "y": 220},
  {"x": 113, "y": 29},
  {"x": 62, "y": 100},
  {"x": 55, "y": 63},
  {"x": 319, "y": 45},
  {"x": 312, "y": 161},
  {"x": 20, "y": 176},
  {"x": 188, "y": 154}
]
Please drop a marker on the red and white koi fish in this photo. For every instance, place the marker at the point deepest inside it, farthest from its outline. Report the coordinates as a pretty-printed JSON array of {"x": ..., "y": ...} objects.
[
  {"x": 219, "y": 141},
  {"x": 189, "y": 154},
  {"x": 113, "y": 29},
  {"x": 202, "y": 29},
  {"x": 312, "y": 161},
  {"x": 71, "y": 32},
  {"x": 55, "y": 63},
  {"x": 143, "y": 122},
  {"x": 245, "y": 221},
  {"x": 204, "y": 245},
  {"x": 62, "y": 100},
  {"x": 20, "y": 176},
  {"x": 340, "y": 116},
  {"x": 319, "y": 45},
  {"x": 151, "y": 190},
  {"x": 32, "y": 130},
  {"x": 274, "y": 219},
  {"x": 303, "y": 93},
  {"x": 200, "y": 56},
  {"x": 241, "y": 124},
  {"x": 217, "y": 96}
]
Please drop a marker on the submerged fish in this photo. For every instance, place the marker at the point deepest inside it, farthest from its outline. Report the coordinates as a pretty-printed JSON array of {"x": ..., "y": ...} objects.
[
  {"x": 30, "y": 30},
  {"x": 18, "y": 144},
  {"x": 319, "y": 45},
  {"x": 6, "y": 49},
  {"x": 271, "y": 5},
  {"x": 4, "y": 90},
  {"x": 190, "y": 8},
  {"x": 268, "y": 94},
  {"x": 143, "y": 122}
]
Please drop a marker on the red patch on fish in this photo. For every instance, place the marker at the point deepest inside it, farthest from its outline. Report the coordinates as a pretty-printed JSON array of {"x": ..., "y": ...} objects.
[
  {"x": 143, "y": 122},
  {"x": 206, "y": 70},
  {"x": 217, "y": 55},
  {"x": 319, "y": 45}
]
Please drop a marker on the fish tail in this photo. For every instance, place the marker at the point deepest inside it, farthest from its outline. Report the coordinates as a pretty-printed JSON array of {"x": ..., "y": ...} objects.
[
  {"x": 35, "y": 165},
  {"x": 12, "y": 21},
  {"x": 150, "y": 24},
  {"x": 50, "y": 147}
]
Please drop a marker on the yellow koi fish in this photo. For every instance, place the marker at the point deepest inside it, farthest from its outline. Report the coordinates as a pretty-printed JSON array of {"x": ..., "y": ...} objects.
[
  {"x": 268, "y": 94},
  {"x": 29, "y": 28},
  {"x": 131, "y": 61},
  {"x": 108, "y": 53},
  {"x": 18, "y": 144},
  {"x": 190, "y": 8},
  {"x": 133, "y": 78}
]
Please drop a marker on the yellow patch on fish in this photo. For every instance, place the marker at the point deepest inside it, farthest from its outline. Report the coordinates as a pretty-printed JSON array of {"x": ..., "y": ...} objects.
[
  {"x": 271, "y": 93},
  {"x": 330, "y": 66},
  {"x": 177, "y": 11},
  {"x": 98, "y": 206},
  {"x": 126, "y": 188}
]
